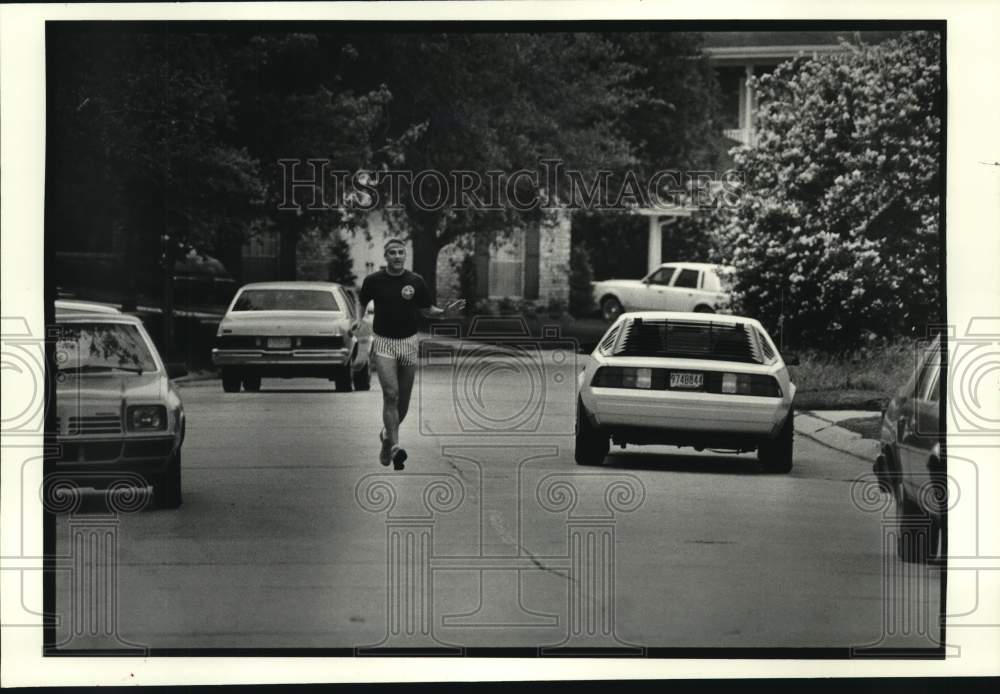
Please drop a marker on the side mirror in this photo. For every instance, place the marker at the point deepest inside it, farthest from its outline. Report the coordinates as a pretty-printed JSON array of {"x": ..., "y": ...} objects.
[
  {"x": 790, "y": 358},
  {"x": 176, "y": 370}
]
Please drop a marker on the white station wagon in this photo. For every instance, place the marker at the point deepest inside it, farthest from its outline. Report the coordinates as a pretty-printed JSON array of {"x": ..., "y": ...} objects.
[
  {"x": 290, "y": 329},
  {"x": 698, "y": 287},
  {"x": 686, "y": 379}
]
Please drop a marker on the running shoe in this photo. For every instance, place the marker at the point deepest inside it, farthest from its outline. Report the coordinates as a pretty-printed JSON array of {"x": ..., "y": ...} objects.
[
  {"x": 398, "y": 457},
  {"x": 385, "y": 455}
]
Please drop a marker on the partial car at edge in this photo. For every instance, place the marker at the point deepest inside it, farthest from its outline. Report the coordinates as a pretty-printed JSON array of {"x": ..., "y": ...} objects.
[
  {"x": 119, "y": 419},
  {"x": 910, "y": 464}
]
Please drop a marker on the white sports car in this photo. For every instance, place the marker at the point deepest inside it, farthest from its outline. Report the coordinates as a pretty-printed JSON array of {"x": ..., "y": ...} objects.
[
  {"x": 686, "y": 379},
  {"x": 698, "y": 287}
]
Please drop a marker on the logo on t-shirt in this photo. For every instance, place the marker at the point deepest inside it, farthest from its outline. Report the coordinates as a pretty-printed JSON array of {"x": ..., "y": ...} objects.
[{"x": 407, "y": 292}]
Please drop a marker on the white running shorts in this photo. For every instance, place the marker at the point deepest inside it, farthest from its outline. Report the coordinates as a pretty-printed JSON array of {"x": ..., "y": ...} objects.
[{"x": 402, "y": 349}]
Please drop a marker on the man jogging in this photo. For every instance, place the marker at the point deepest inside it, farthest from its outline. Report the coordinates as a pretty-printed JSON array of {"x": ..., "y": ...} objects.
[{"x": 400, "y": 296}]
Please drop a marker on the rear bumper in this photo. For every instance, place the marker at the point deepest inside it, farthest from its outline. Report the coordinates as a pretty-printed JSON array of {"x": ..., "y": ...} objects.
[
  {"x": 278, "y": 359},
  {"x": 743, "y": 416}
]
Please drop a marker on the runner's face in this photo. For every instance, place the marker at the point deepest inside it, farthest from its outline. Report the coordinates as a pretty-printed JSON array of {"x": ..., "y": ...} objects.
[{"x": 395, "y": 256}]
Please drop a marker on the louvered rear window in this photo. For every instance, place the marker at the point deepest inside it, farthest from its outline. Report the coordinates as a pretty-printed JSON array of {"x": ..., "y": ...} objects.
[
  {"x": 609, "y": 340},
  {"x": 689, "y": 339}
]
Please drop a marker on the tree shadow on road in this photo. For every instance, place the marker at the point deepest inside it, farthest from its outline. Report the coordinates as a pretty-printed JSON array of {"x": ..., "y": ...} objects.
[
  {"x": 681, "y": 462},
  {"x": 298, "y": 390}
]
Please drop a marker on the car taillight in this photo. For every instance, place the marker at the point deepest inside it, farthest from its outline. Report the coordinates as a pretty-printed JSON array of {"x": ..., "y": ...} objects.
[
  {"x": 626, "y": 377},
  {"x": 750, "y": 384}
]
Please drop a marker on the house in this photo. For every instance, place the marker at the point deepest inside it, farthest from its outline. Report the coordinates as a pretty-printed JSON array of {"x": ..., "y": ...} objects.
[
  {"x": 529, "y": 264},
  {"x": 738, "y": 56}
]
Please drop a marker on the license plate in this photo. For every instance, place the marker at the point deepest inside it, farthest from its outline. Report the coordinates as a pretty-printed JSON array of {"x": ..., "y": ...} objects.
[
  {"x": 686, "y": 379},
  {"x": 279, "y": 342}
]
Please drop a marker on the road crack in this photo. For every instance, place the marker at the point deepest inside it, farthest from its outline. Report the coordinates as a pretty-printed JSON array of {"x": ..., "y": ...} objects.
[{"x": 537, "y": 562}]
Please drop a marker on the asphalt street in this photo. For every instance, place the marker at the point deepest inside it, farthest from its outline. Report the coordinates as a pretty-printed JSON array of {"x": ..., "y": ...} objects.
[{"x": 292, "y": 534}]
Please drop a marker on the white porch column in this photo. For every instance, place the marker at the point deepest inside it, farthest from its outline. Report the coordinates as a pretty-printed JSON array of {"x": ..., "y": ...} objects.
[{"x": 655, "y": 254}]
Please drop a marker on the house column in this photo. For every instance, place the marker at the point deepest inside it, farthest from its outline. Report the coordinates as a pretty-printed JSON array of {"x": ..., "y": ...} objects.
[{"x": 655, "y": 255}]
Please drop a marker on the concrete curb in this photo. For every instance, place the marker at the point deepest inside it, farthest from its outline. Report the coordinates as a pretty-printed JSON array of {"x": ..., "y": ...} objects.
[{"x": 822, "y": 428}]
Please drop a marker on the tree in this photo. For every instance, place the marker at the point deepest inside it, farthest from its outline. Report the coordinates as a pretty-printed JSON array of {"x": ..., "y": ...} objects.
[
  {"x": 837, "y": 227},
  {"x": 481, "y": 102},
  {"x": 341, "y": 266},
  {"x": 293, "y": 104},
  {"x": 673, "y": 125},
  {"x": 139, "y": 119}
]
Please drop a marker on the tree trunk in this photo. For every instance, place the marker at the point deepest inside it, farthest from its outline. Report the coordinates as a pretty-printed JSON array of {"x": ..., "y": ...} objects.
[
  {"x": 287, "y": 244},
  {"x": 425, "y": 253},
  {"x": 168, "y": 298}
]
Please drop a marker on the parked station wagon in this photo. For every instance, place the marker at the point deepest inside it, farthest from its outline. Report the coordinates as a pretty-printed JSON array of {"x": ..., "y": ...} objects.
[{"x": 697, "y": 287}]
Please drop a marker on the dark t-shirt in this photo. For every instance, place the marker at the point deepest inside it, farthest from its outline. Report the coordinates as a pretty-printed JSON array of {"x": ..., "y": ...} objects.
[{"x": 398, "y": 300}]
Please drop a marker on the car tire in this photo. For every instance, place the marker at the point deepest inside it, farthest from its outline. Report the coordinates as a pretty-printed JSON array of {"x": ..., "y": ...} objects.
[
  {"x": 363, "y": 377},
  {"x": 611, "y": 308},
  {"x": 592, "y": 444},
  {"x": 167, "y": 486},
  {"x": 702, "y": 308},
  {"x": 917, "y": 534},
  {"x": 231, "y": 381},
  {"x": 343, "y": 379},
  {"x": 251, "y": 383},
  {"x": 776, "y": 455}
]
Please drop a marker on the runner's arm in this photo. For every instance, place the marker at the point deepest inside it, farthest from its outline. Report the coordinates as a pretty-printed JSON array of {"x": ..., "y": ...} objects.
[{"x": 435, "y": 311}]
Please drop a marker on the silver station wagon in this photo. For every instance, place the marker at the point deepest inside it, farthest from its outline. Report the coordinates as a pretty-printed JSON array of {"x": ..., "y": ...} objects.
[
  {"x": 294, "y": 329},
  {"x": 119, "y": 420},
  {"x": 687, "y": 379}
]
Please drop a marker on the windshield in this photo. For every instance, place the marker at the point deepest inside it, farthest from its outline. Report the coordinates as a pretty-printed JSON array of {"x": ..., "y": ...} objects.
[
  {"x": 689, "y": 339},
  {"x": 97, "y": 347},
  {"x": 286, "y": 300}
]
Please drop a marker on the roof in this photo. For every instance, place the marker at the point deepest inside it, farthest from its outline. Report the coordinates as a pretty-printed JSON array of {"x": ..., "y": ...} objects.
[
  {"x": 72, "y": 307},
  {"x": 696, "y": 317},
  {"x": 291, "y": 285},
  {"x": 96, "y": 317},
  {"x": 740, "y": 47},
  {"x": 757, "y": 39},
  {"x": 695, "y": 266}
]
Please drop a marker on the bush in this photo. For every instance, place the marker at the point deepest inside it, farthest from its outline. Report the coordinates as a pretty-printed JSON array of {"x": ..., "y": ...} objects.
[
  {"x": 341, "y": 268},
  {"x": 837, "y": 226}
]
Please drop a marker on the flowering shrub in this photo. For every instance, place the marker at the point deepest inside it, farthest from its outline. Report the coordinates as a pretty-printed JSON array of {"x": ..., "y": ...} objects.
[{"x": 837, "y": 227}]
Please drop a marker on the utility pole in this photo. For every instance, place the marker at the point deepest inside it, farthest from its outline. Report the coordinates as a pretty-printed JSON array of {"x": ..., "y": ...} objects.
[{"x": 167, "y": 263}]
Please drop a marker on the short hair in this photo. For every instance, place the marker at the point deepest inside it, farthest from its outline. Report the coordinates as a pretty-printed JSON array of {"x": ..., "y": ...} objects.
[{"x": 391, "y": 241}]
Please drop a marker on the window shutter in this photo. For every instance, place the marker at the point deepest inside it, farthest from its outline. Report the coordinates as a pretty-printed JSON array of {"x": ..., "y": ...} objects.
[
  {"x": 532, "y": 243},
  {"x": 482, "y": 255}
]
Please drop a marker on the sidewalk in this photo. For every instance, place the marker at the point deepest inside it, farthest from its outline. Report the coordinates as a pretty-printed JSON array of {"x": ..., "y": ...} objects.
[{"x": 822, "y": 427}]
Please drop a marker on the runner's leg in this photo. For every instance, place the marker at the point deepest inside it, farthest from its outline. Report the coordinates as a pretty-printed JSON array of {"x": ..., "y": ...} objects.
[
  {"x": 405, "y": 374},
  {"x": 385, "y": 367}
]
